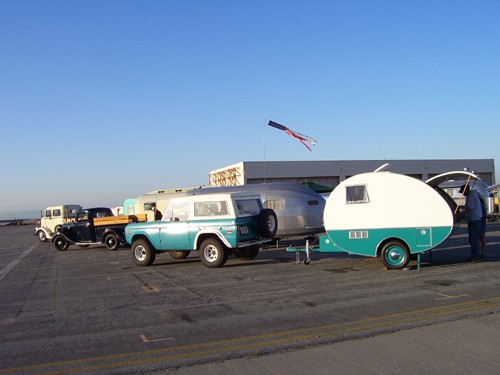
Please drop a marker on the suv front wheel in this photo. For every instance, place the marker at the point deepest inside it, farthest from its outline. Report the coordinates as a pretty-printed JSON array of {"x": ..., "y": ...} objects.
[{"x": 142, "y": 253}]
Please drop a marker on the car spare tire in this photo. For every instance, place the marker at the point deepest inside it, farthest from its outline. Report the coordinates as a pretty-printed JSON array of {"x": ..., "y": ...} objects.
[{"x": 267, "y": 223}]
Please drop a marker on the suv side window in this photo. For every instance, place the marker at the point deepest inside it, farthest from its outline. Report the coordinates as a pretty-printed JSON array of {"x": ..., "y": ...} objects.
[
  {"x": 248, "y": 207},
  {"x": 211, "y": 208},
  {"x": 177, "y": 210}
]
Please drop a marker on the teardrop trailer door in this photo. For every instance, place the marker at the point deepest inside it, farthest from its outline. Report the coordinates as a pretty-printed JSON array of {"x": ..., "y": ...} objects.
[{"x": 453, "y": 178}]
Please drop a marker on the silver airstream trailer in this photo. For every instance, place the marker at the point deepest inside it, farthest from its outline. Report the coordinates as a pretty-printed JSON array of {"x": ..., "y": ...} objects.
[{"x": 299, "y": 209}]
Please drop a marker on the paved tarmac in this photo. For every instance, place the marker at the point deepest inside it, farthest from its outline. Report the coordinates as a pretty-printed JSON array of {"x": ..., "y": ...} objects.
[
  {"x": 467, "y": 346},
  {"x": 91, "y": 311}
]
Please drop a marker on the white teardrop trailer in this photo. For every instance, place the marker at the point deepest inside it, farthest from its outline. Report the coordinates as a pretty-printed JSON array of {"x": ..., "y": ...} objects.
[{"x": 388, "y": 215}]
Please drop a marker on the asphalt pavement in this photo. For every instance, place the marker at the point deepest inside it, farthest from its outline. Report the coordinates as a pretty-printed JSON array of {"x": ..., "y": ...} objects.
[
  {"x": 92, "y": 311},
  {"x": 466, "y": 346}
]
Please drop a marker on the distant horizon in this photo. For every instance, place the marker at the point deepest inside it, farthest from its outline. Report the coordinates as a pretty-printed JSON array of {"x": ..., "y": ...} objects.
[
  {"x": 20, "y": 215},
  {"x": 35, "y": 213}
]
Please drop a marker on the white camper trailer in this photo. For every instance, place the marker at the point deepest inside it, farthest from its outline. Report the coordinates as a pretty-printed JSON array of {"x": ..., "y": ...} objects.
[
  {"x": 388, "y": 215},
  {"x": 143, "y": 204}
]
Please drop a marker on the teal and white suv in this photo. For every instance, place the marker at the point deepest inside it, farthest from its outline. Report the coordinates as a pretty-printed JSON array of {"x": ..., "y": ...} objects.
[{"x": 216, "y": 225}]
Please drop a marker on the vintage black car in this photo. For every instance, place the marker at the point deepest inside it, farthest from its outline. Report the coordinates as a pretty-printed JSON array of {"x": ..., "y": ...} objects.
[{"x": 92, "y": 226}]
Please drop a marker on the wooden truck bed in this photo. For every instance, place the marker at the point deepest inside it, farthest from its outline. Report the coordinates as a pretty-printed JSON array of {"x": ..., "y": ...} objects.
[{"x": 113, "y": 220}]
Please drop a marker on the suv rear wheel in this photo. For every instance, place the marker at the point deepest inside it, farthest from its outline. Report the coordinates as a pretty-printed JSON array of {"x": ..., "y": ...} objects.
[
  {"x": 212, "y": 253},
  {"x": 247, "y": 253}
]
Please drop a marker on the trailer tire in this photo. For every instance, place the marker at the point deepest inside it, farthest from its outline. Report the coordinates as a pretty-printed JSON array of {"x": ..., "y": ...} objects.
[
  {"x": 247, "y": 253},
  {"x": 60, "y": 243},
  {"x": 111, "y": 241},
  {"x": 41, "y": 235},
  {"x": 179, "y": 254},
  {"x": 212, "y": 253},
  {"x": 142, "y": 253},
  {"x": 395, "y": 254},
  {"x": 267, "y": 223}
]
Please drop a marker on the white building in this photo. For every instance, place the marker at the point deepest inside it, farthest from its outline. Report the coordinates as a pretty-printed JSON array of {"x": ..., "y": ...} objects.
[{"x": 331, "y": 172}]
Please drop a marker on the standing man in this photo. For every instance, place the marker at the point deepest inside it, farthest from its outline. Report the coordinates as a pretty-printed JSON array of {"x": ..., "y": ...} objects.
[
  {"x": 473, "y": 214},
  {"x": 157, "y": 214},
  {"x": 482, "y": 231}
]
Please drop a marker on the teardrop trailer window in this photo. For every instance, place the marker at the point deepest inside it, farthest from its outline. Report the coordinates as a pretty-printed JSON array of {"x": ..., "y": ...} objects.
[{"x": 356, "y": 194}]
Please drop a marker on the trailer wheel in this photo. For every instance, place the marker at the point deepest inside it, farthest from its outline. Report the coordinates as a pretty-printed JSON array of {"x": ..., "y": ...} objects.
[
  {"x": 179, "y": 254},
  {"x": 60, "y": 243},
  {"x": 42, "y": 237},
  {"x": 212, "y": 253},
  {"x": 267, "y": 223},
  {"x": 395, "y": 254},
  {"x": 111, "y": 241},
  {"x": 247, "y": 253},
  {"x": 142, "y": 254}
]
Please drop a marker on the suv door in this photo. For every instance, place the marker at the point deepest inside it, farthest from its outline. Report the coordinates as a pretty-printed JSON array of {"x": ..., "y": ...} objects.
[{"x": 175, "y": 235}]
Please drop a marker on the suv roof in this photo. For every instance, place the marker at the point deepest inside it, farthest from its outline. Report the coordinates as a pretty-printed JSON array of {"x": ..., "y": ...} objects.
[{"x": 221, "y": 195}]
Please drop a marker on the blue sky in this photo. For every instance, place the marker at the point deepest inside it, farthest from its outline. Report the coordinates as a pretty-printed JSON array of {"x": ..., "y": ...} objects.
[{"x": 105, "y": 100}]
